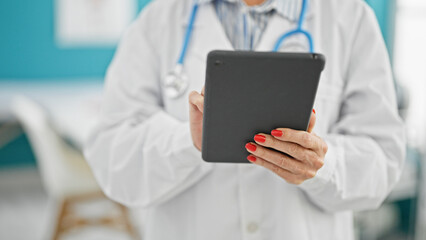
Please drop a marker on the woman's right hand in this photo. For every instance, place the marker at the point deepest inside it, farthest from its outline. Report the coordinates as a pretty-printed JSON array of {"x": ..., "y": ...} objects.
[{"x": 196, "y": 109}]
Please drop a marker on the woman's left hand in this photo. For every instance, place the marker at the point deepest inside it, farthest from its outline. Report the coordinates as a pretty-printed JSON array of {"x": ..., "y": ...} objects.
[{"x": 298, "y": 156}]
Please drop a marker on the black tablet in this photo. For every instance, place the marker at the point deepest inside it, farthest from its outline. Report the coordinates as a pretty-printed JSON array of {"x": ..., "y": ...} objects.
[{"x": 255, "y": 92}]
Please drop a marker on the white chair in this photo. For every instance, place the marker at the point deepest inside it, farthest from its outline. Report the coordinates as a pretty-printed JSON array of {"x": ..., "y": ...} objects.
[{"x": 65, "y": 174}]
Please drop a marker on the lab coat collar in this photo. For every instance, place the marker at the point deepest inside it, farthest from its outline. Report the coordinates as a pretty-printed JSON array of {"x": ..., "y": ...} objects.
[
  {"x": 210, "y": 34},
  {"x": 289, "y": 9}
]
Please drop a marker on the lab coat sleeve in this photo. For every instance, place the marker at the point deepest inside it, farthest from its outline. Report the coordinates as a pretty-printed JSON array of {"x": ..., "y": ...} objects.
[
  {"x": 140, "y": 155},
  {"x": 366, "y": 145}
]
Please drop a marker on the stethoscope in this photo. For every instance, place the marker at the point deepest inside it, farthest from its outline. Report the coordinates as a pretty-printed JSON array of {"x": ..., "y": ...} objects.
[{"x": 177, "y": 82}]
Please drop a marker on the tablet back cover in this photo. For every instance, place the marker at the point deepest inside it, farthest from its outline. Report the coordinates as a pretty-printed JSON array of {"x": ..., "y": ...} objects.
[{"x": 255, "y": 92}]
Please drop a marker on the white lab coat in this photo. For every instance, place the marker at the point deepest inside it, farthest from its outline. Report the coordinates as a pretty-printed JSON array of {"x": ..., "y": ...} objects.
[{"x": 142, "y": 153}]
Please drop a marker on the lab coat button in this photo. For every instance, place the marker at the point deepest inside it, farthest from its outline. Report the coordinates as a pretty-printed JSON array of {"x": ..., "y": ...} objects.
[{"x": 252, "y": 227}]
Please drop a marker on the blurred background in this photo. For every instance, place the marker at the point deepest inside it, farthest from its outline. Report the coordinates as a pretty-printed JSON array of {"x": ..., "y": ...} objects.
[{"x": 53, "y": 58}]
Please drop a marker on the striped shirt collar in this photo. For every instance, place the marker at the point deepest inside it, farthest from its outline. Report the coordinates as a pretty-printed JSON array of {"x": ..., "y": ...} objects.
[{"x": 289, "y": 9}]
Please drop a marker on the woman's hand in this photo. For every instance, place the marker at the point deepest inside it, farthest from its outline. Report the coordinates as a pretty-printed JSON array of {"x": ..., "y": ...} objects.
[
  {"x": 298, "y": 156},
  {"x": 196, "y": 109}
]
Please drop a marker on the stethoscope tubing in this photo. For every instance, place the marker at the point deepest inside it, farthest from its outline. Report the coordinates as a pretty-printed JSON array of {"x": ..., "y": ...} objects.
[
  {"x": 281, "y": 39},
  {"x": 179, "y": 84},
  {"x": 188, "y": 33},
  {"x": 298, "y": 30},
  {"x": 291, "y": 33}
]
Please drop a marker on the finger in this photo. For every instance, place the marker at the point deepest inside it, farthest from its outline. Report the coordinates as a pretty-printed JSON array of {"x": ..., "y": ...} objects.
[
  {"x": 276, "y": 158},
  {"x": 303, "y": 138},
  {"x": 196, "y": 101},
  {"x": 283, "y": 173},
  {"x": 293, "y": 149},
  {"x": 203, "y": 90},
  {"x": 312, "y": 121}
]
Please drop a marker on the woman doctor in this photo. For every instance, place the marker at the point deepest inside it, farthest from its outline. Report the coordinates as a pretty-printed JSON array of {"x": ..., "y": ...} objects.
[{"x": 145, "y": 151}]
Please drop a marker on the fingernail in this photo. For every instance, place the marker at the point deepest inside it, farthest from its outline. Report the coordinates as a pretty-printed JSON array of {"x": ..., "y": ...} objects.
[
  {"x": 251, "y": 158},
  {"x": 313, "y": 110},
  {"x": 259, "y": 138},
  {"x": 251, "y": 147},
  {"x": 276, "y": 133}
]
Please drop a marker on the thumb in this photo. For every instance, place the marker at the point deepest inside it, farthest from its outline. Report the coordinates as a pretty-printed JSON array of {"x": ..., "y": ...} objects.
[
  {"x": 196, "y": 100},
  {"x": 312, "y": 121}
]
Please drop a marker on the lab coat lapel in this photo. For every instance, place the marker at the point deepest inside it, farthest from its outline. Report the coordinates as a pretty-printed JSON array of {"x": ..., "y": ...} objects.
[
  {"x": 208, "y": 33},
  {"x": 271, "y": 33},
  {"x": 278, "y": 25}
]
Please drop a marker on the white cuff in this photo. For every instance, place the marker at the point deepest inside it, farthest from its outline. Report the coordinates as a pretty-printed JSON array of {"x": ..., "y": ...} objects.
[
  {"x": 185, "y": 146},
  {"x": 325, "y": 174},
  {"x": 184, "y": 154}
]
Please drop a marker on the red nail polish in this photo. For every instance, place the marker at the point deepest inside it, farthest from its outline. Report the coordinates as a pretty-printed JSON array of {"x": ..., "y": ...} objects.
[
  {"x": 251, "y": 147},
  {"x": 313, "y": 110},
  {"x": 259, "y": 138},
  {"x": 276, "y": 133},
  {"x": 251, "y": 158}
]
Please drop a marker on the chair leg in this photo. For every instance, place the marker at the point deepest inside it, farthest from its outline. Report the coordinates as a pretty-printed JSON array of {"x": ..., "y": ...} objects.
[
  {"x": 63, "y": 212},
  {"x": 126, "y": 220},
  {"x": 59, "y": 222}
]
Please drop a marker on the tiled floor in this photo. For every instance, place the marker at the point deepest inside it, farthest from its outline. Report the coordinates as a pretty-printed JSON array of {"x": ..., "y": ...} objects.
[
  {"x": 27, "y": 213},
  {"x": 23, "y": 205}
]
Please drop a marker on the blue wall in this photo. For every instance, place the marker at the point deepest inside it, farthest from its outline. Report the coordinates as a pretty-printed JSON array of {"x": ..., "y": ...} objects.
[
  {"x": 28, "y": 50},
  {"x": 385, "y": 12}
]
